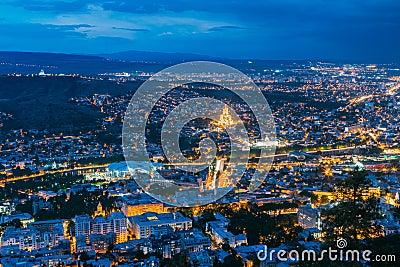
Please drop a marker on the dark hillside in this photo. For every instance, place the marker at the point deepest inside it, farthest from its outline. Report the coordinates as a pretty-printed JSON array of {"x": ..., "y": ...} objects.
[{"x": 45, "y": 102}]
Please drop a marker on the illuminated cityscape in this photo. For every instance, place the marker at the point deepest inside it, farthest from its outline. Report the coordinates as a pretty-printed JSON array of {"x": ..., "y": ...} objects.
[
  {"x": 262, "y": 132},
  {"x": 46, "y": 178}
]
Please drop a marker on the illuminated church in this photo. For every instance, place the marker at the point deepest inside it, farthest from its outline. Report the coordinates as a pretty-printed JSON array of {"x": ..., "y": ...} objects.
[{"x": 225, "y": 119}]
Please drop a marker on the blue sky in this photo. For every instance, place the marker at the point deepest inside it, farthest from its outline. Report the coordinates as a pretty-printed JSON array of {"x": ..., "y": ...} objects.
[{"x": 279, "y": 29}]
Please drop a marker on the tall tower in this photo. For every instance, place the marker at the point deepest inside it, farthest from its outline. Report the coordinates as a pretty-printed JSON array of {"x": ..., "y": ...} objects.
[
  {"x": 222, "y": 176},
  {"x": 210, "y": 180},
  {"x": 220, "y": 165}
]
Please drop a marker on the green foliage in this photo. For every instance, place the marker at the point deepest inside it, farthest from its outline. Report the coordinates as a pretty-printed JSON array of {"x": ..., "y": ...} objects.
[
  {"x": 47, "y": 101},
  {"x": 84, "y": 256},
  {"x": 388, "y": 245},
  {"x": 208, "y": 215},
  {"x": 309, "y": 194},
  {"x": 82, "y": 202},
  {"x": 352, "y": 218},
  {"x": 48, "y": 182},
  {"x": 232, "y": 261},
  {"x": 99, "y": 161},
  {"x": 260, "y": 227},
  {"x": 16, "y": 223}
]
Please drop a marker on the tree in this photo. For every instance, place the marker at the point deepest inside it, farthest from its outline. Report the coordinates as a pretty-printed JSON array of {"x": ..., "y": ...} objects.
[
  {"x": 232, "y": 261},
  {"x": 309, "y": 194},
  {"x": 16, "y": 223},
  {"x": 385, "y": 245},
  {"x": 324, "y": 200},
  {"x": 84, "y": 256},
  {"x": 353, "y": 217}
]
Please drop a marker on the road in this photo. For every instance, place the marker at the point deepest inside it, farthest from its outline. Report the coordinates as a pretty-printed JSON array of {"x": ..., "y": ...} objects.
[
  {"x": 25, "y": 177},
  {"x": 13, "y": 179},
  {"x": 390, "y": 91}
]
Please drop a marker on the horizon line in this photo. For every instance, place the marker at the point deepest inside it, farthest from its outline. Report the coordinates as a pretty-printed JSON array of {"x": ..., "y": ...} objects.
[{"x": 103, "y": 55}]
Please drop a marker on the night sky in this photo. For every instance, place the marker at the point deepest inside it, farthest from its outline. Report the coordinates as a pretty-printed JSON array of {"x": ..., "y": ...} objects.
[{"x": 281, "y": 29}]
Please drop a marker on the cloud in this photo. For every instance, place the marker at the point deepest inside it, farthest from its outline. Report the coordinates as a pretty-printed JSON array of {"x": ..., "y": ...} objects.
[
  {"x": 165, "y": 33},
  {"x": 51, "y": 6},
  {"x": 131, "y": 29},
  {"x": 24, "y": 34},
  {"x": 265, "y": 29},
  {"x": 225, "y": 28},
  {"x": 50, "y": 38},
  {"x": 68, "y": 27},
  {"x": 125, "y": 25},
  {"x": 102, "y": 23}
]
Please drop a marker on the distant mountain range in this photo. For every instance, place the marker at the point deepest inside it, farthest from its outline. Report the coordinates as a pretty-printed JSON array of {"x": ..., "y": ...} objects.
[
  {"x": 129, "y": 61},
  {"x": 134, "y": 55}
]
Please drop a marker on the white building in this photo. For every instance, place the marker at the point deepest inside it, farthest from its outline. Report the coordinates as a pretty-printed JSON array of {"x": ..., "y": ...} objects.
[
  {"x": 115, "y": 223},
  {"x": 219, "y": 232},
  {"x": 25, "y": 218},
  {"x": 309, "y": 217},
  {"x": 389, "y": 227},
  {"x": 82, "y": 225},
  {"x": 30, "y": 239},
  {"x": 119, "y": 226},
  {"x": 7, "y": 208},
  {"x": 143, "y": 225}
]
